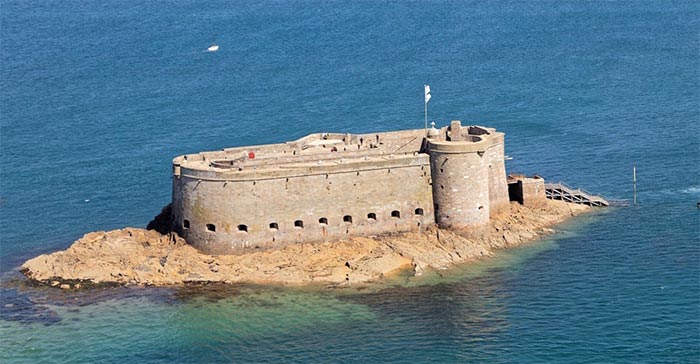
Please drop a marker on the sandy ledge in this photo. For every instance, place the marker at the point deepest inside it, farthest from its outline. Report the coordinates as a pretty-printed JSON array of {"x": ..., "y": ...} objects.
[{"x": 134, "y": 256}]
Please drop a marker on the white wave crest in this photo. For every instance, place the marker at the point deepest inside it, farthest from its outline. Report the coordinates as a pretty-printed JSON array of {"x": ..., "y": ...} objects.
[{"x": 695, "y": 190}]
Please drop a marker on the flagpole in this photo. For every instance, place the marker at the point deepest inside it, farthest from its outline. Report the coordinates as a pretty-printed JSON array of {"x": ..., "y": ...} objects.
[
  {"x": 426, "y": 117},
  {"x": 426, "y": 94}
]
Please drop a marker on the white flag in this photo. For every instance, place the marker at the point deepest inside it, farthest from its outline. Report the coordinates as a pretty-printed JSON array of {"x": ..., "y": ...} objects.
[{"x": 427, "y": 93}]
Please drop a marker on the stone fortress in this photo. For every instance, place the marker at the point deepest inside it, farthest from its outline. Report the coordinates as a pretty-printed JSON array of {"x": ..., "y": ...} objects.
[
  {"x": 327, "y": 208},
  {"x": 326, "y": 187}
]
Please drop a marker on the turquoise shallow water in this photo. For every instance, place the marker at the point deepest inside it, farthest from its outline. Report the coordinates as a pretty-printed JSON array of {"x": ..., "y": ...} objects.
[{"x": 96, "y": 99}]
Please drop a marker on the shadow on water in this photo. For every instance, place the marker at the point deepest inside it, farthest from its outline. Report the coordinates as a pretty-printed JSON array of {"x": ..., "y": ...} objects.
[
  {"x": 28, "y": 302},
  {"x": 19, "y": 307},
  {"x": 445, "y": 308}
]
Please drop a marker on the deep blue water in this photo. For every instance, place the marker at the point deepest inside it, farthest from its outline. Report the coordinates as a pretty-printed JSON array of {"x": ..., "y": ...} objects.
[{"x": 96, "y": 98}]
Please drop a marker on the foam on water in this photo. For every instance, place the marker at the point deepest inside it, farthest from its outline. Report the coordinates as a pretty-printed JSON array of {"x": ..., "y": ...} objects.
[{"x": 692, "y": 190}]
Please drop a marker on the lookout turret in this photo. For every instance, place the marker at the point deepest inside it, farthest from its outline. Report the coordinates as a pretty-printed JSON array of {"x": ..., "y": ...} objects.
[{"x": 465, "y": 164}]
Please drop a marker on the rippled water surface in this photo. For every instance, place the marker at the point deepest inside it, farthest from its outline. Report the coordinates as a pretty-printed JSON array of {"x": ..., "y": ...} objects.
[{"x": 96, "y": 99}]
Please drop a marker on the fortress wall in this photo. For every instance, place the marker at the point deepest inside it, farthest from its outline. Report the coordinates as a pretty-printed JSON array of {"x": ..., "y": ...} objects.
[
  {"x": 498, "y": 186},
  {"x": 282, "y": 201},
  {"x": 460, "y": 183},
  {"x": 327, "y": 187}
]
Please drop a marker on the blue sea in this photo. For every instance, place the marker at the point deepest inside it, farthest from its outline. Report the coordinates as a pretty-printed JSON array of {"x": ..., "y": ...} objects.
[{"x": 97, "y": 97}]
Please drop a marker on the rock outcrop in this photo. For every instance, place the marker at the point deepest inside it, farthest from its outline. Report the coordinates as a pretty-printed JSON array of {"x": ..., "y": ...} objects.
[{"x": 147, "y": 257}]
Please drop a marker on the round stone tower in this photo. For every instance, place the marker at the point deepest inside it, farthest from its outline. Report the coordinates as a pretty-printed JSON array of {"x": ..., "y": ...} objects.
[
  {"x": 459, "y": 167},
  {"x": 499, "y": 203}
]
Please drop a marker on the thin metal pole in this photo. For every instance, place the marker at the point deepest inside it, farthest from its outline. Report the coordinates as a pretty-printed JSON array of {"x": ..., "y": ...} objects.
[
  {"x": 426, "y": 117},
  {"x": 634, "y": 181}
]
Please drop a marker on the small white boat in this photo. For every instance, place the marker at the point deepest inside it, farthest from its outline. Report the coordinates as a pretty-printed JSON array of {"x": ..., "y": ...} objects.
[{"x": 213, "y": 48}]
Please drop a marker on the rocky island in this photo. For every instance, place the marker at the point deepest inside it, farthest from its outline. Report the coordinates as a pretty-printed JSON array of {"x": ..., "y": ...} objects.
[
  {"x": 328, "y": 208},
  {"x": 134, "y": 256}
]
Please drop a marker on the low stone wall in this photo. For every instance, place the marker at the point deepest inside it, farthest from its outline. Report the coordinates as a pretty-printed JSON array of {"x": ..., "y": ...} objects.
[{"x": 528, "y": 191}]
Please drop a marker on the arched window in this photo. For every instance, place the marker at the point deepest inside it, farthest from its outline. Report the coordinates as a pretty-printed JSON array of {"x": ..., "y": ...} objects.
[
  {"x": 243, "y": 228},
  {"x": 372, "y": 216},
  {"x": 323, "y": 221},
  {"x": 419, "y": 211},
  {"x": 348, "y": 219},
  {"x": 211, "y": 227},
  {"x": 299, "y": 224},
  {"x": 396, "y": 214},
  {"x": 274, "y": 226}
]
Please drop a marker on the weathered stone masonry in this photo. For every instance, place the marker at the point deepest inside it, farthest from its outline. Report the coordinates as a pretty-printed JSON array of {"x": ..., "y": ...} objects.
[{"x": 330, "y": 186}]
